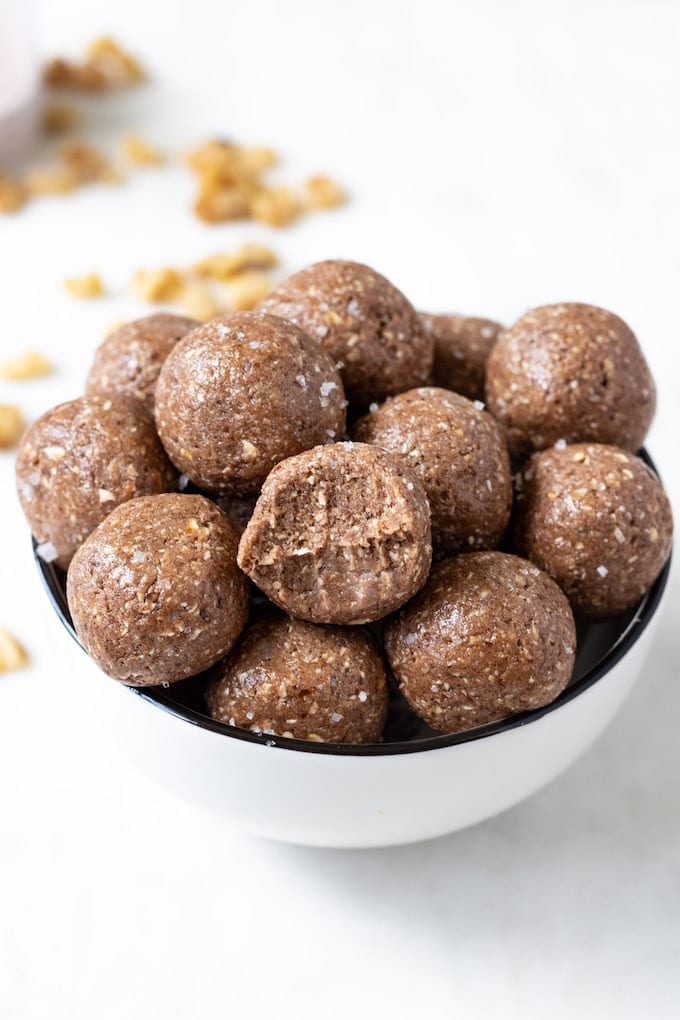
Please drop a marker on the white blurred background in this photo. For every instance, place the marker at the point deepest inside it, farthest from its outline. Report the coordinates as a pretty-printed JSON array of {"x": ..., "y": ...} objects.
[{"x": 498, "y": 156}]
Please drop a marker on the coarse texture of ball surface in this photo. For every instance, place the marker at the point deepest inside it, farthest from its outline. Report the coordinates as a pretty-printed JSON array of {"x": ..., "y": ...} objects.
[
  {"x": 490, "y": 635},
  {"x": 340, "y": 534},
  {"x": 155, "y": 593},
  {"x": 461, "y": 347},
  {"x": 572, "y": 372},
  {"x": 129, "y": 360},
  {"x": 241, "y": 393},
  {"x": 597, "y": 519},
  {"x": 82, "y": 459},
  {"x": 459, "y": 453},
  {"x": 365, "y": 323},
  {"x": 302, "y": 680}
]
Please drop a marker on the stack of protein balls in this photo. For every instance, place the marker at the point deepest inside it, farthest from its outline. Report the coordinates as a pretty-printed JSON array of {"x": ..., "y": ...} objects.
[{"x": 209, "y": 459}]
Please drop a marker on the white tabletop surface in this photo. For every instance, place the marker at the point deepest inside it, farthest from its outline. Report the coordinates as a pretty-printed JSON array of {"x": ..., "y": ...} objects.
[{"x": 499, "y": 156}]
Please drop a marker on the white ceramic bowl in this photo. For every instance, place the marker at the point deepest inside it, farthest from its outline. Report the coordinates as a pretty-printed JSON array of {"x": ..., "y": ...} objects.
[{"x": 414, "y": 786}]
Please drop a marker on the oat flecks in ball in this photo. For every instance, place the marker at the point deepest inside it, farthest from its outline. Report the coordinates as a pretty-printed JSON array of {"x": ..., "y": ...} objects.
[
  {"x": 155, "y": 593},
  {"x": 489, "y": 636},
  {"x": 129, "y": 360},
  {"x": 240, "y": 394},
  {"x": 80, "y": 461},
  {"x": 340, "y": 534},
  {"x": 366, "y": 324},
  {"x": 597, "y": 519},
  {"x": 573, "y": 372},
  {"x": 299, "y": 679},
  {"x": 461, "y": 348},
  {"x": 459, "y": 453}
]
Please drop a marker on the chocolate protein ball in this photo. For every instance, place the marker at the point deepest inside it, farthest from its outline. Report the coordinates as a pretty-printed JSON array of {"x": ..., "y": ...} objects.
[
  {"x": 241, "y": 393},
  {"x": 459, "y": 453},
  {"x": 461, "y": 347},
  {"x": 571, "y": 372},
  {"x": 489, "y": 635},
  {"x": 298, "y": 679},
  {"x": 340, "y": 534},
  {"x": 81, "y": 460},
  {"x": 155, "y": 593},
  {"x": 597, "y": 519},
  {"x": 129, "y": 360},
  {"x": 365, "y": 323}
]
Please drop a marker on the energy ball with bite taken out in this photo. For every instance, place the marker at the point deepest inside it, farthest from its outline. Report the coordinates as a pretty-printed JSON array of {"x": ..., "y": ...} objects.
[
  {"x": 597, "y": 519},
  {"x": 129, "y": 360},
  {"x": 459, "y": 453},
  {"x": 461, "y": 347},
  {"x": 363, "y": 321},
  {"x": 298, "y": 679},
  {"x": 571, "y": 372},
  {"x": 81, "y": 460},
  {"x": 241, "y": 393},
  {"x": 340, "y": 534},
  {"x": 155, "y": 593},
  {"x": 490, "y": 635}
]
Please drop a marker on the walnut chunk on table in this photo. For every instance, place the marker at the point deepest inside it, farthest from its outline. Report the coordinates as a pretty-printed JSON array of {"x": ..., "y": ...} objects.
[
  {"x": 11, "y": 425},
  {"x": 12, "y": 654}
]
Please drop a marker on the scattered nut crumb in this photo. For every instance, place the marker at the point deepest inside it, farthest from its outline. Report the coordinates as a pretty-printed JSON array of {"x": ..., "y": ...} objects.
[
  {"x": 231, "y": 186},
  {"x": 12, "y": 655},
  {"x": 140, "y": 152},
  {"x": 276, "y": 206},
  {"x": 157, "y": 285},
  {"x": 323, "y": 193},
  {"x": 88, "y": 164},
  {"x": 106, "y": 66},
  {"x": 115, "y": 325},
  {"x": 216, "y": 204},
  {"x": 244, "y": 290},
  {"x": 13, "y": 194},
  {"x": 60, "y": 118},
  {"x": 25, "y": 366},
  {"x": 197, "y": 301},
  {"x": 225, "y": 266},
  {"x": 11, "y": 425},
  {"x": 51, "y": 181},
  {"x": 83, "y": 287}
]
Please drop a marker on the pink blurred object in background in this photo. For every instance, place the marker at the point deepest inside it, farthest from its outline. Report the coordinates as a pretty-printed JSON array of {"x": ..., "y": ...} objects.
[{"x": 19, "y": 80}]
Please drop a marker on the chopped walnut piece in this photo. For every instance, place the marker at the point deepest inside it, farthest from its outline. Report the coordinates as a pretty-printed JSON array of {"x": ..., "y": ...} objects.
[
  {"x": 158, "y": 285},
  {"x": 197, "y": 301},
  {"x": 227, "y": 163},
  {"x": 246, "y": 289},
  {"x": 106, "y": 66},
  {"x": 25, "y": 366},
  {"x": 87, "y": 163},
  {"x": 140, "y": 152},
  {"x": 83, "y": 287},
  {"x": 216, "y": 204},
  {"x": 13, "y": 194},
  {"x": 225, "y": 266},
  {"x": 12, "y": 655},
  {"x": 59, "y": 118},
  {"x": 51, "y": 181},
  {"x": 323, "y": 193},
  {"x": 117, "y": 65},
  {"x": 11, "y": 426},
  {"x": 278, "y": 207},
  {"x": 232, "y": 186}
]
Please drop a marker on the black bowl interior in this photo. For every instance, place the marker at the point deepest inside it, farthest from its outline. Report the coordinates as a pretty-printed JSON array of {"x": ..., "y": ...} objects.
[{"x": 600, "y": 646}]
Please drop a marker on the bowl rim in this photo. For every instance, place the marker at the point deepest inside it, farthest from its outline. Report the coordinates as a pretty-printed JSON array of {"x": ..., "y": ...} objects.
[{"x": 158, "y": 697}]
